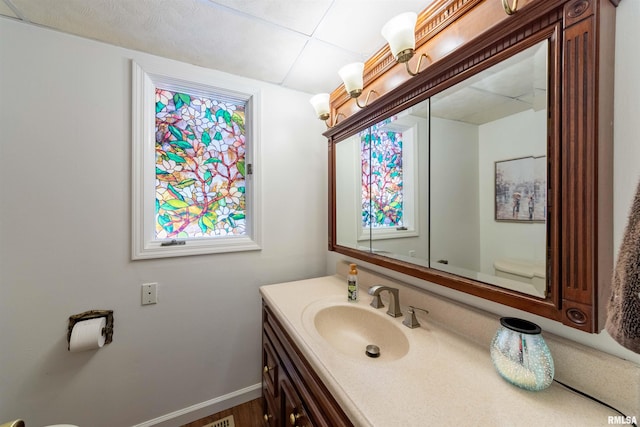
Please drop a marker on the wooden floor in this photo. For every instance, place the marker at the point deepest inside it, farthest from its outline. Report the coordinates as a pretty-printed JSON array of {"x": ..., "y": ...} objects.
[{"x": 246, "y": 415}]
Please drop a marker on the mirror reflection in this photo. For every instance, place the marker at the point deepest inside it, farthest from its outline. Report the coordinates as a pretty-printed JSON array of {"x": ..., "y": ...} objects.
[
  {"x": 348, "y": 203},
  {"x": 488, "y": 175},
  {"x": 458, "y": 182},
  {"x": 382, "y": 187}
]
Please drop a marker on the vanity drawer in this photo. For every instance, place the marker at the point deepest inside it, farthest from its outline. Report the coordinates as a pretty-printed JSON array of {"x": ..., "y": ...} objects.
[
  {"x": 270, "y": 366},
  {"x": 269, "y": 410}
]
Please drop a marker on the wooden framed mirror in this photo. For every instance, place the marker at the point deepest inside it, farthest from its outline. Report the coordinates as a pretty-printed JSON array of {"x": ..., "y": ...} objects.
[{"x": 505, "y": 147}]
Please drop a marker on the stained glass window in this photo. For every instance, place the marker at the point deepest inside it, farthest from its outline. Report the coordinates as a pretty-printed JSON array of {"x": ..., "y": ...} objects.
[
  {"x": 195, "y": 139},
  {"x": 382, "y": 177},
  {"x": 200, "y": 165}
]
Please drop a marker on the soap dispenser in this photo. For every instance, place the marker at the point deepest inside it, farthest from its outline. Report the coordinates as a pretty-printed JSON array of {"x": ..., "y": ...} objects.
[{"x": 352, "y": 284}]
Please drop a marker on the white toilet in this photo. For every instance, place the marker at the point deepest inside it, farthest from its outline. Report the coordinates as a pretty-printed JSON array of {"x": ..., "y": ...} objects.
[{"x": 524, "y": 271}]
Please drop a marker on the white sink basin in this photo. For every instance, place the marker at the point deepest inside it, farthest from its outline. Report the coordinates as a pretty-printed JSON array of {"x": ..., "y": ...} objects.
[{"x": 350, "y": 328}]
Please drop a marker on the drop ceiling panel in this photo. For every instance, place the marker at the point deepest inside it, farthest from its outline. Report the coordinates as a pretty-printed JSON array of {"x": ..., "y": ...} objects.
[
  {"x": 6, "y": 10},
  {"x": 512, "y": 86},
  {"x": 512, "y": 82},
  {"x": 461, "y": 104},
  {"x": 284, "y": 42},
  {"x": 474, "y": 106},
  {"x": 302, "y": 16},
  {"x": 190, "y": 31},
  {"x": 497, "y": 111},
  {"x": 355, "y": 24},
  {"x": 317, "y": 67}
]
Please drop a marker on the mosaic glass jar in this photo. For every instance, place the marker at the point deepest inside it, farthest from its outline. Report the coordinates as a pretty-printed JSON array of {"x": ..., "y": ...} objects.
[{"x": 520, "y": 354}]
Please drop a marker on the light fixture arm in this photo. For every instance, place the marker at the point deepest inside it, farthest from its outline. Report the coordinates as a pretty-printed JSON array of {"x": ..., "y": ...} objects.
[
  {"x": 424, "y": 55},
  {"x": 335, "y": 120},
  {"x": 366, "y": 101},
  {"x": 510, "y": 10}
]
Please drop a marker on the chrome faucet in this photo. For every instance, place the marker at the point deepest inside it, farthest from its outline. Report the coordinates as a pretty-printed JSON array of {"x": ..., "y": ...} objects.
[{"x": 394, "y": 299}]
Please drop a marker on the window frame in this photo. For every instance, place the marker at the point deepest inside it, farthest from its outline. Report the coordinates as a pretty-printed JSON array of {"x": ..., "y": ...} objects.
[{"x": 146, "y": 77}]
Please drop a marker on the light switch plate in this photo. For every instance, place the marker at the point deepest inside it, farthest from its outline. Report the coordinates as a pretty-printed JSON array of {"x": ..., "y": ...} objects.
[{"x": 149, "y": 293}]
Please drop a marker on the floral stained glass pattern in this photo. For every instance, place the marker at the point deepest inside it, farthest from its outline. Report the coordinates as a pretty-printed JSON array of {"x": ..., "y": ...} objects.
[
  {"x": 382, "y": 182},
  {"x": 200, "y": 166}
]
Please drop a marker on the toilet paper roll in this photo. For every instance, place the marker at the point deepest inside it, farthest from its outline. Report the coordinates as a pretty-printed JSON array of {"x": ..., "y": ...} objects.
[{"x": 87, "y": 335}]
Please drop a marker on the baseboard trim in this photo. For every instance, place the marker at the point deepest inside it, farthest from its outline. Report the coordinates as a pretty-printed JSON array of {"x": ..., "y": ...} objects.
[{"x": 201, "y": 410}]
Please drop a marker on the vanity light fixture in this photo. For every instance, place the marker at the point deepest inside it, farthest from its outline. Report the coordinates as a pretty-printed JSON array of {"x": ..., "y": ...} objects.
[
  {"x": 399, "y": 32},
  {"x": 320, "y": 104},
  {"x": 352, "y": 77}
]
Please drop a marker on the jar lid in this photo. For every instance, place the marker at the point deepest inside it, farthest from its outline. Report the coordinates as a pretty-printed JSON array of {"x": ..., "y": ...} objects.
[{"x": 520, "y": 325}]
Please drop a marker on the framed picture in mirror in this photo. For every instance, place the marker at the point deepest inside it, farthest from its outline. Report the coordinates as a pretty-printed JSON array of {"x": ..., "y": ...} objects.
[{"x": 520, "y": 189}]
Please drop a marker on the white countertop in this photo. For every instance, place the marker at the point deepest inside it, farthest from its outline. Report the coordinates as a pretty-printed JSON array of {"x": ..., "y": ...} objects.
[{"x": 444, "y": 379}]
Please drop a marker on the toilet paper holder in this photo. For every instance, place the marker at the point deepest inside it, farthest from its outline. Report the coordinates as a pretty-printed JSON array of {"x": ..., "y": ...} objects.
[{"x": 92, "y": 314}]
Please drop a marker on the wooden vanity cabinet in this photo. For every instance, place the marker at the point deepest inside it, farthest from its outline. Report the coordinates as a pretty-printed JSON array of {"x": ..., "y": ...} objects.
[{"x": 292, "y": 393}]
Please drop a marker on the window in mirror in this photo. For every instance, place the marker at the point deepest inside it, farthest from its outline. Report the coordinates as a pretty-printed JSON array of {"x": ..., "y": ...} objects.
[
  {"x": 408, "y": 239},
  {"x": 488, "y": 148},
  {"x": 382, "y": 193},
  {"x": 381, "y": 187},
  {"x": 387, "y": 152}
]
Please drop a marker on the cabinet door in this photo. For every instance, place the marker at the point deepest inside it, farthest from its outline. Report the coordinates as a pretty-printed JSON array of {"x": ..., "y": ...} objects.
[
  {"x": 293, "y": 412},
  {"x": 270, "y": 367},
  {"x": 288, "y": 381},
  {"x": 270, "y": 375}
]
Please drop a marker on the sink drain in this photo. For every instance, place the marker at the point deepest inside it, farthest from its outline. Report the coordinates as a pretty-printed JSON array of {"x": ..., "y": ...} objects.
[{"x": 372, "y": 351}]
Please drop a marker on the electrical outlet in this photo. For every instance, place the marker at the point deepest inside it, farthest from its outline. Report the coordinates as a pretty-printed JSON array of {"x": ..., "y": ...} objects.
[{"x": 149, "y": 293}]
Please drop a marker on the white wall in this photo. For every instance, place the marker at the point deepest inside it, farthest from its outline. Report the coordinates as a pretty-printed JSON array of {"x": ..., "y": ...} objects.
[
  {"x": 65, "y": 170},
  {"x": 626, "y": 130},
  {"x": 455, "y": 233},
  {"x": 626, "y": 175},
  {"x": 518, "y": 135},
  {"x": 349, "y": 193}
]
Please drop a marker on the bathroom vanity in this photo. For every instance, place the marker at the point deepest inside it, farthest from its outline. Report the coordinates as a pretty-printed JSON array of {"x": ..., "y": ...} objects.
[
  {"x": 431, "y": 375},
  {"x": 463, "y": 226},
  {"x": 292, "y": 392}
]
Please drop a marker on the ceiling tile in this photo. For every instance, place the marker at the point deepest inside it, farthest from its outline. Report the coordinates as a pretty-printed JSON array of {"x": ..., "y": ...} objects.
[
  {"x": 316, "y": 70},
  {"x": 302, "y": 15},
  {"x": 355, "y": 24},
  {"x": 298, "y": 44},
  {"x": 495, "y": 111},
  {"x": 6, "y": 10},
  {"x": 189, "y": 31}
]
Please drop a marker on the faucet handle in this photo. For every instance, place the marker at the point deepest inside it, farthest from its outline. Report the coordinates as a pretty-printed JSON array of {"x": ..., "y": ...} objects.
[{"x": 410, "y": 319}]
